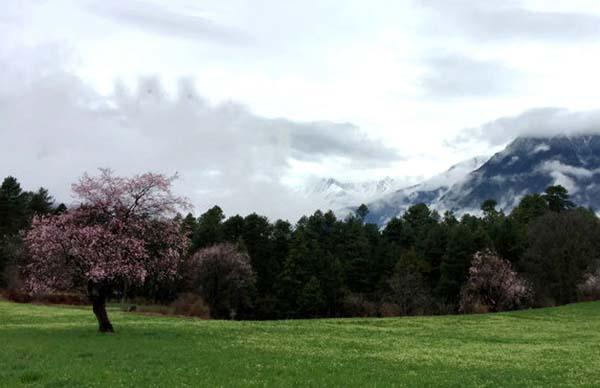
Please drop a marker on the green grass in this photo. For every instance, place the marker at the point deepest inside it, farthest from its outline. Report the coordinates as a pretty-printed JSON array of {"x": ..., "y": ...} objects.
[{"x": 59, "y": 347}]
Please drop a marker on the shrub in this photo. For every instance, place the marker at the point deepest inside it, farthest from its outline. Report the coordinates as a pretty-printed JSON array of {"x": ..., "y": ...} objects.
[
  {"x": 73, "y": 299},
  {"x": 62, "y": 298},
  {"x": 356, "y": 305},
  {"x": 387, "y": 309},
  {"x": 493, "y": 286},
  {"x": 589, "y": 288},
  {"x": 18, "y": 296},
  {"x": 153, "y": 309},
  {"x": 191, "y": 305}
]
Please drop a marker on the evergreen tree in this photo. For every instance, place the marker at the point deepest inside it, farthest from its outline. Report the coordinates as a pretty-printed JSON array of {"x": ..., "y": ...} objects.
[
  {"x": 529, "y": 208},
  {"x": 41, "y": 203},
  {"x": 13, "y": 207},
  {"x": 557, "y": 198},
  {"x": 462, "y": 244},
  {"x": 233, "y": 228},
  {"x": 209, "y": 230},
  {"x": 562, "y": 246},
  {"x": 311, "y": 301},
  {"x": 362, "y": 212}
]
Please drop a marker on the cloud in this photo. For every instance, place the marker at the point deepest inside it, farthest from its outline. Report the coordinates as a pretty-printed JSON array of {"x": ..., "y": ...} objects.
[
  {"x": 455, "y": 76},
  {"x": 54, "y": 127},
  {"x": 565, "y": 169},
  {"x": 540, "y": 122},
  {"x": 166, "y": 21},
  {"x": 312, "y": 141},
  {"x": 497, "y": 20}
]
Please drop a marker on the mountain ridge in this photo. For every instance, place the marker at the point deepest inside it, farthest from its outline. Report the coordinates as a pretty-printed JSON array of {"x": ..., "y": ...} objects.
[{"x": 527, "y": 165}]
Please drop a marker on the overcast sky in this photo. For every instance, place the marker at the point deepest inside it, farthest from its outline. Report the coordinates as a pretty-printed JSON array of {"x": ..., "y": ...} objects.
[{"x": 246, "y": 98}]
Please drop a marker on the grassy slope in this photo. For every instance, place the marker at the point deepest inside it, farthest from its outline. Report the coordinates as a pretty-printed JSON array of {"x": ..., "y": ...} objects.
[{"x": 58, "y": 347}]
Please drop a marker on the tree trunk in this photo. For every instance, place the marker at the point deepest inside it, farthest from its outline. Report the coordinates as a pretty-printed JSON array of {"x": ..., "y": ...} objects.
[{"x": 97, "y": 295}]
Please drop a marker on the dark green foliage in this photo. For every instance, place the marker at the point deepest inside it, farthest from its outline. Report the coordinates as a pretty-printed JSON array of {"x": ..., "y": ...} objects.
[
  {"x": 407, "y": 288},
  {"x": 41, "y": 202},
  {"x": 488, "y": 208},
  {"x": 362, "y": 212},
  {"x": 13, "y": 207},
  {"x": 233, "y": 228},
  {"x": 530, "y": 207},
  {"x": 17, "y": 207},
  {"x": 189, "y": 224},
  {"x": 311, "y": 301},
  {"x": 557, "y": 198},
  {"x": 562, "y": 246},
  {"x": 462, "y": 244},
  {"x": 209, "y": 229}
]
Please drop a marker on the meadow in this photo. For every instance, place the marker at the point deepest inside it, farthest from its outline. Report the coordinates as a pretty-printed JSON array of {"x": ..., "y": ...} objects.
[{"x": 48, "y": 346}]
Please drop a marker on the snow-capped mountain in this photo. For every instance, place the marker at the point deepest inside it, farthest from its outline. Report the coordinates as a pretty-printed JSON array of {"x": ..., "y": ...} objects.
[
  {"x": 429, "y": 191},
  {"x": 336, "y": 195},
  {"x": 527, "y": 165}
]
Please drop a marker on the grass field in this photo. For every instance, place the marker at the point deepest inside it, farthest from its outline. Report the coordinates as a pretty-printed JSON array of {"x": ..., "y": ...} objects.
[{"x": 59, "y": 347}]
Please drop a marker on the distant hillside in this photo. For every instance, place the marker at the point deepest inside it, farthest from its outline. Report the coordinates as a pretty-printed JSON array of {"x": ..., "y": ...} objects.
[
  {"x": 430, "y": 191},
  {"x": 527, "y": 165}
]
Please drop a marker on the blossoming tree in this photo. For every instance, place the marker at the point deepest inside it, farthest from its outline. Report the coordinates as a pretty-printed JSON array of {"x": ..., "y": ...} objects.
[
  {"x": 121, "y": 230},
  {"x": 493, "y": 286}
]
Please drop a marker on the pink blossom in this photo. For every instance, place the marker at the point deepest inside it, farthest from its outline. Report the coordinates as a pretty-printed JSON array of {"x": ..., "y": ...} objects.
[{"x": 121, "y": 230}]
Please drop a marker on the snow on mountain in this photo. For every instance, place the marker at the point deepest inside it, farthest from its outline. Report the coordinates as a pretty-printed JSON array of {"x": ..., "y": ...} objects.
[
  {"x": 527, "y": 165},
  {"x": 429, "y": 191},
  {"x": 336, "y": 195}
]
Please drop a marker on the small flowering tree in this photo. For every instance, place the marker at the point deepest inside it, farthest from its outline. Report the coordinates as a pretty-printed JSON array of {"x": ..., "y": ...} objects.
[
  {"x": 589, "y": 288},
  {"x": 224, "y": 277},
  {"x": 493, "y": 286},
  {"x": 121, "y": 230}
]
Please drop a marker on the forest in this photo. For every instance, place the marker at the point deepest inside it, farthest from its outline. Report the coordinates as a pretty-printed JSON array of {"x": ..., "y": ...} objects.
[{"x": 545, "y": 252}]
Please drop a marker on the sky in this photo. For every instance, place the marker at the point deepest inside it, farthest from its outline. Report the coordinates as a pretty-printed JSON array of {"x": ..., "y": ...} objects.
[{"x": 246, "y": 100}]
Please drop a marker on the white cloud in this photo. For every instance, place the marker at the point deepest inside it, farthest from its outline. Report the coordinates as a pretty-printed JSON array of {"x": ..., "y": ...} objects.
[
  {"x": 509, "y": 19},
  {"x": 565, "y": 181},
  {"x": 458, "y": 76},
  {"x": 54, "y": 127},
  {"x": 347, "y": 62},
  {"x": 566, "y": 175},
  {"x": 541, "y": 148},
  {"x": 565, "y": 169},
  {"x": 163, "y": 20},
  {"x": 540, "y": 122}
]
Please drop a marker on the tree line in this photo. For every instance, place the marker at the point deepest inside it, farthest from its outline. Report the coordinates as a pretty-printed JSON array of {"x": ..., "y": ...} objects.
[{"x": 544, "y": 252}]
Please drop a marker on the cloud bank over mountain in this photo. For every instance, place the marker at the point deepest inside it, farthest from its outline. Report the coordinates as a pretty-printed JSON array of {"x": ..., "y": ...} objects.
[
  {"x": 54, "y": 127},
  {"x": 539, "y": 122}
]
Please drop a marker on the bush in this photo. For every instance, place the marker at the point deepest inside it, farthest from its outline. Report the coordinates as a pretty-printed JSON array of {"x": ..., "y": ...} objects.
[
  {"x": 19, "y": 296},
  {"x": 188, "y": 304},
  {"x": 589, "y": 288},
  {"x": 152, "y": 309},
  {"x": 493, "y": 286},
  {"x": 356, "y": 305},
  {"x": 191, "y": 305},
  {"x": 387, "y": 309},
  {"x": 62, "y": 298}
]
